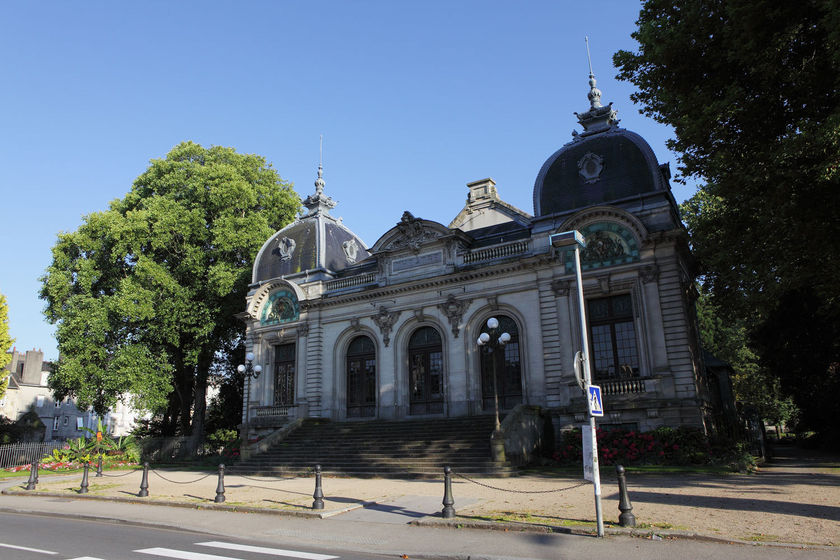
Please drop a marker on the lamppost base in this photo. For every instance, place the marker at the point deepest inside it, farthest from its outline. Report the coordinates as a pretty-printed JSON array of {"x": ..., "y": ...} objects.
[{"x": 497, "y": 447}]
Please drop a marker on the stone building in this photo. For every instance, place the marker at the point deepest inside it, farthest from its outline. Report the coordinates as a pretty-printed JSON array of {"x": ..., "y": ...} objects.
[
  {"x": 347, "y": 332},
  {"x": 29, "y": 390}
]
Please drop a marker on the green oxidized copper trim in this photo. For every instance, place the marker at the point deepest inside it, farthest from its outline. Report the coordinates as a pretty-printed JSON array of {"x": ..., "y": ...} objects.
[
  {"x": 607, "y": 244},
  {"x": 282, "y": 307}
]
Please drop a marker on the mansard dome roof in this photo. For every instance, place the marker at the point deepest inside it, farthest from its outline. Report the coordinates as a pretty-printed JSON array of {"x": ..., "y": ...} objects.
[
  {"x": 603, "y": 164},
  {"x": 315, "y": 242}
]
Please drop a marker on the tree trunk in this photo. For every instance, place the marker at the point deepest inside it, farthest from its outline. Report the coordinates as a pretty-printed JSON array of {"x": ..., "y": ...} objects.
[{"x": 200, "y": 397}]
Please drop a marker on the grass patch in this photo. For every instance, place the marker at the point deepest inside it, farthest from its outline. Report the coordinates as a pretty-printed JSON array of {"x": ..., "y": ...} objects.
[
  {"x": 663, "y": 526},
  {"x": 762, "y": 537},
  {"x": 514, "y": 517}
]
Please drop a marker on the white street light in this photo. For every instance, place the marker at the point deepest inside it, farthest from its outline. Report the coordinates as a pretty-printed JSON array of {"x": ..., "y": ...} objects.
[
  {"x": 250, "y": 372},
  {"x": 491, "y": 342}
]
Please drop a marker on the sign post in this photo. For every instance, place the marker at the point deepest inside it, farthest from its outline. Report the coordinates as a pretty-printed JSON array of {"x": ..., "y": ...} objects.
[{"x": 592, "y": 393}]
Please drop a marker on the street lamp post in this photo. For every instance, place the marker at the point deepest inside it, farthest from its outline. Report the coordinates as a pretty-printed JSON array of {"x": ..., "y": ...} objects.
[
  {"x": 567, "y": 239},
  {"x": 492, "y": 341},
  {"x": 250, "y": 372}
]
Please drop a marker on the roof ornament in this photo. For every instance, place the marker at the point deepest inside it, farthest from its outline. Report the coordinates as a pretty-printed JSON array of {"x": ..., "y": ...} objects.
[
  {"x": 598, "y": 118},
  {"x": 319, "y": 203}
]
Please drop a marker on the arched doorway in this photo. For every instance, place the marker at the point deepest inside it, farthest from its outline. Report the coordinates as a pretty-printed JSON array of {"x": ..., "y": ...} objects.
[
  {"x": 508, "y": 369},
  {"x": 361, "y": 378},
  {"x": 425, "y": 367}
]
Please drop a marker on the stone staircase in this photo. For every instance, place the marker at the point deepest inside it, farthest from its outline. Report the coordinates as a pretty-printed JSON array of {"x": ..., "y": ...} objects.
[{"x": 409, "y": 448}]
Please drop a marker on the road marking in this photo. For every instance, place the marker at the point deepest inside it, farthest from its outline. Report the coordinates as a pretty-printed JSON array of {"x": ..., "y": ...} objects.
[
  {"x": 4, "y": 545},
  {"x": 265, "y": 550},
  {"x": 183, "y": 554},
  {"x": 85, "y": 558}
]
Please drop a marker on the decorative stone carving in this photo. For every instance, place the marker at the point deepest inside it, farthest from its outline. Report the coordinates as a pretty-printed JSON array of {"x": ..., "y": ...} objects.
[
  {"x": 351, "y": 250},
  {"x": 590, "y": 167},
  {"x": 493, "y": 302},
  {"x": 418, "y": 314},
  {"x": 286, "y": 246},
  {"x": 649, "y": 273},
  {"x": 385, "y": 321},
  {"x": 303, "y": 329},
  {"x": 355, "y": 324},
  {"x": 454, "y": 310},
  {"x": 604, "y": 283},
  {"x": 412, "y": 234},
  {"x": 560, "y": 287}
]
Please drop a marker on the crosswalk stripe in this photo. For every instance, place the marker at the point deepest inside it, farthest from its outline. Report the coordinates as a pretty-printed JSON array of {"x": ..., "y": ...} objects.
[
  {"x": 183, "y": 554},
  {"x": 26, "y": 548},
  {"x": 265, "y": 550}
]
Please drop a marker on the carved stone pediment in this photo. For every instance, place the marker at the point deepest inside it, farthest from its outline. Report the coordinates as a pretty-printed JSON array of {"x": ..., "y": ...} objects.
[{"x": 410, "y": 233}]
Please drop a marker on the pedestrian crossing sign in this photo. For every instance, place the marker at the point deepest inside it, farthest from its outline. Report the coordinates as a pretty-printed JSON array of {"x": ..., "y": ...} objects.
[{"x": 596, "y": 405}]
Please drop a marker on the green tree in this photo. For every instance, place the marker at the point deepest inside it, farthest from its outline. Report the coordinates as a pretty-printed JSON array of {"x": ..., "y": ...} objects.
[
  {"x": 6, "y": 342},
  {"x": 755, "y": 388},
  {"x": 145, "y": 294},
  {"x": 752, "y": 91}
]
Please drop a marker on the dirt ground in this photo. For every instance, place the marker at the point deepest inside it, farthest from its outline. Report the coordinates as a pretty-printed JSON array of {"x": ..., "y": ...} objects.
[{"x": 793, "y": 499}]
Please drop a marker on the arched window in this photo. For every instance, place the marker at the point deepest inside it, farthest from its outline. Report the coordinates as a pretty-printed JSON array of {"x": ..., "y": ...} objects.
[
  {"x": 361, "y": 378},
  {"x": 508, "y": 380},
  {"x": 425, "y": 367}
]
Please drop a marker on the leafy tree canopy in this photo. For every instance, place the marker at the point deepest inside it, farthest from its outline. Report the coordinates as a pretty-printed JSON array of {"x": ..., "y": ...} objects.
[
  {"x": 752, "y": 91},
  {"x": 6, "y": 342},
  {"x": 144, "y": 294}
]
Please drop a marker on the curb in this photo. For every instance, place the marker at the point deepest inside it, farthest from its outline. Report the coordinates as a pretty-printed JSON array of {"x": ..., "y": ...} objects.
[{"x": 588, "y": 531}]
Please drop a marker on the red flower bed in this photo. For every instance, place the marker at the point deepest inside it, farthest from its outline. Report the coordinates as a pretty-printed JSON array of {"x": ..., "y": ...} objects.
[{"x": 681, "y": 446}]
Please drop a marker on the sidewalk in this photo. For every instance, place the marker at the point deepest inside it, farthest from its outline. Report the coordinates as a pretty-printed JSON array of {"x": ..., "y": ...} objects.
[{"x": 793, "y": 499}]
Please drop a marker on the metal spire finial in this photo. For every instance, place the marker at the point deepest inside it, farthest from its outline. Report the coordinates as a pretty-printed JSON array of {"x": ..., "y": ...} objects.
[
  {"x": 319, "y": 182},
  {"x": 594, "y": 93}
]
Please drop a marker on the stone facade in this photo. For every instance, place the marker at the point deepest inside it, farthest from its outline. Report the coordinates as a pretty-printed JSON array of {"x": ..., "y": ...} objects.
[
  {"x": 391, "y": 332},
  {"x": 28, "y": 389}
]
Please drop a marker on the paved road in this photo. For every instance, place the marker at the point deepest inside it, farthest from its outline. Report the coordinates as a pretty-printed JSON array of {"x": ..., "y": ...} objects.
[
  {"x": 183, "y": 530},
  {"x": 35, "y": 537}
]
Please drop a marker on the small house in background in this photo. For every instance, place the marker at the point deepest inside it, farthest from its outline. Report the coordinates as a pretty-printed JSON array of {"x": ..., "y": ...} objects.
[{"x": 28, "y": 390}]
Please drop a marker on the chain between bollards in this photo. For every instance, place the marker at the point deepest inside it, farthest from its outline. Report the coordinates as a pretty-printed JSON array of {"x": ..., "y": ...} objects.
[
  {"x": 220, "y": 487},
  {"x": 448, "y": 511},
  {"x": 99, "y": 466},
  {"x": 319, "y": 493},
  {"x": 33, "y": 476},
  {"x": 83, "y": 489},
  {"x": 626, "y": 519},
  {"x": 144, "y": 482}
]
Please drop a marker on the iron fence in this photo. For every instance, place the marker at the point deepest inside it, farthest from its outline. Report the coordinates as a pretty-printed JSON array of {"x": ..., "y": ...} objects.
[{"x": 15, "y": 454}]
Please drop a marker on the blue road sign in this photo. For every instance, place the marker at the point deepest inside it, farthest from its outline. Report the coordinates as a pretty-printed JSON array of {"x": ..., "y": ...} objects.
[{"x": 596, "y": 405}]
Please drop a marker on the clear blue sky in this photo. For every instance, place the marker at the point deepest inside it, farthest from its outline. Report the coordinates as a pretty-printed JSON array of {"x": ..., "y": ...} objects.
[{"x": 414, "y": 100}]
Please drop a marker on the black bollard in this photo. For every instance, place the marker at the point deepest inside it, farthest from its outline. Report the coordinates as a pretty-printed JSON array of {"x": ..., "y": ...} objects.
[
  {"x": 99, "y": 467},
  {"x": 33, "y": 476},
  {"x": 144, "y": 482},
  {"x": 83, "y": 489},
  {"x": 448, "y": 511},
  {"x": 319, "y": 493},
  {"x": 626, "y": 519},
  {"x": 220, "y": 487}
]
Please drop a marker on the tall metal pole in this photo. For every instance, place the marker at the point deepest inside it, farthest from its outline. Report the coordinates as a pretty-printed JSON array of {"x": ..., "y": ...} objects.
[
  {"x": 587, "y": 381},
  {"x": 492, "y": 354},
  {"x": 247, "y": 409}
]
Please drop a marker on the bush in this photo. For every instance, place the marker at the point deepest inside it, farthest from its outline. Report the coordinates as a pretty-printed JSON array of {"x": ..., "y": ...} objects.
[{"x": 662, "y": 446}]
